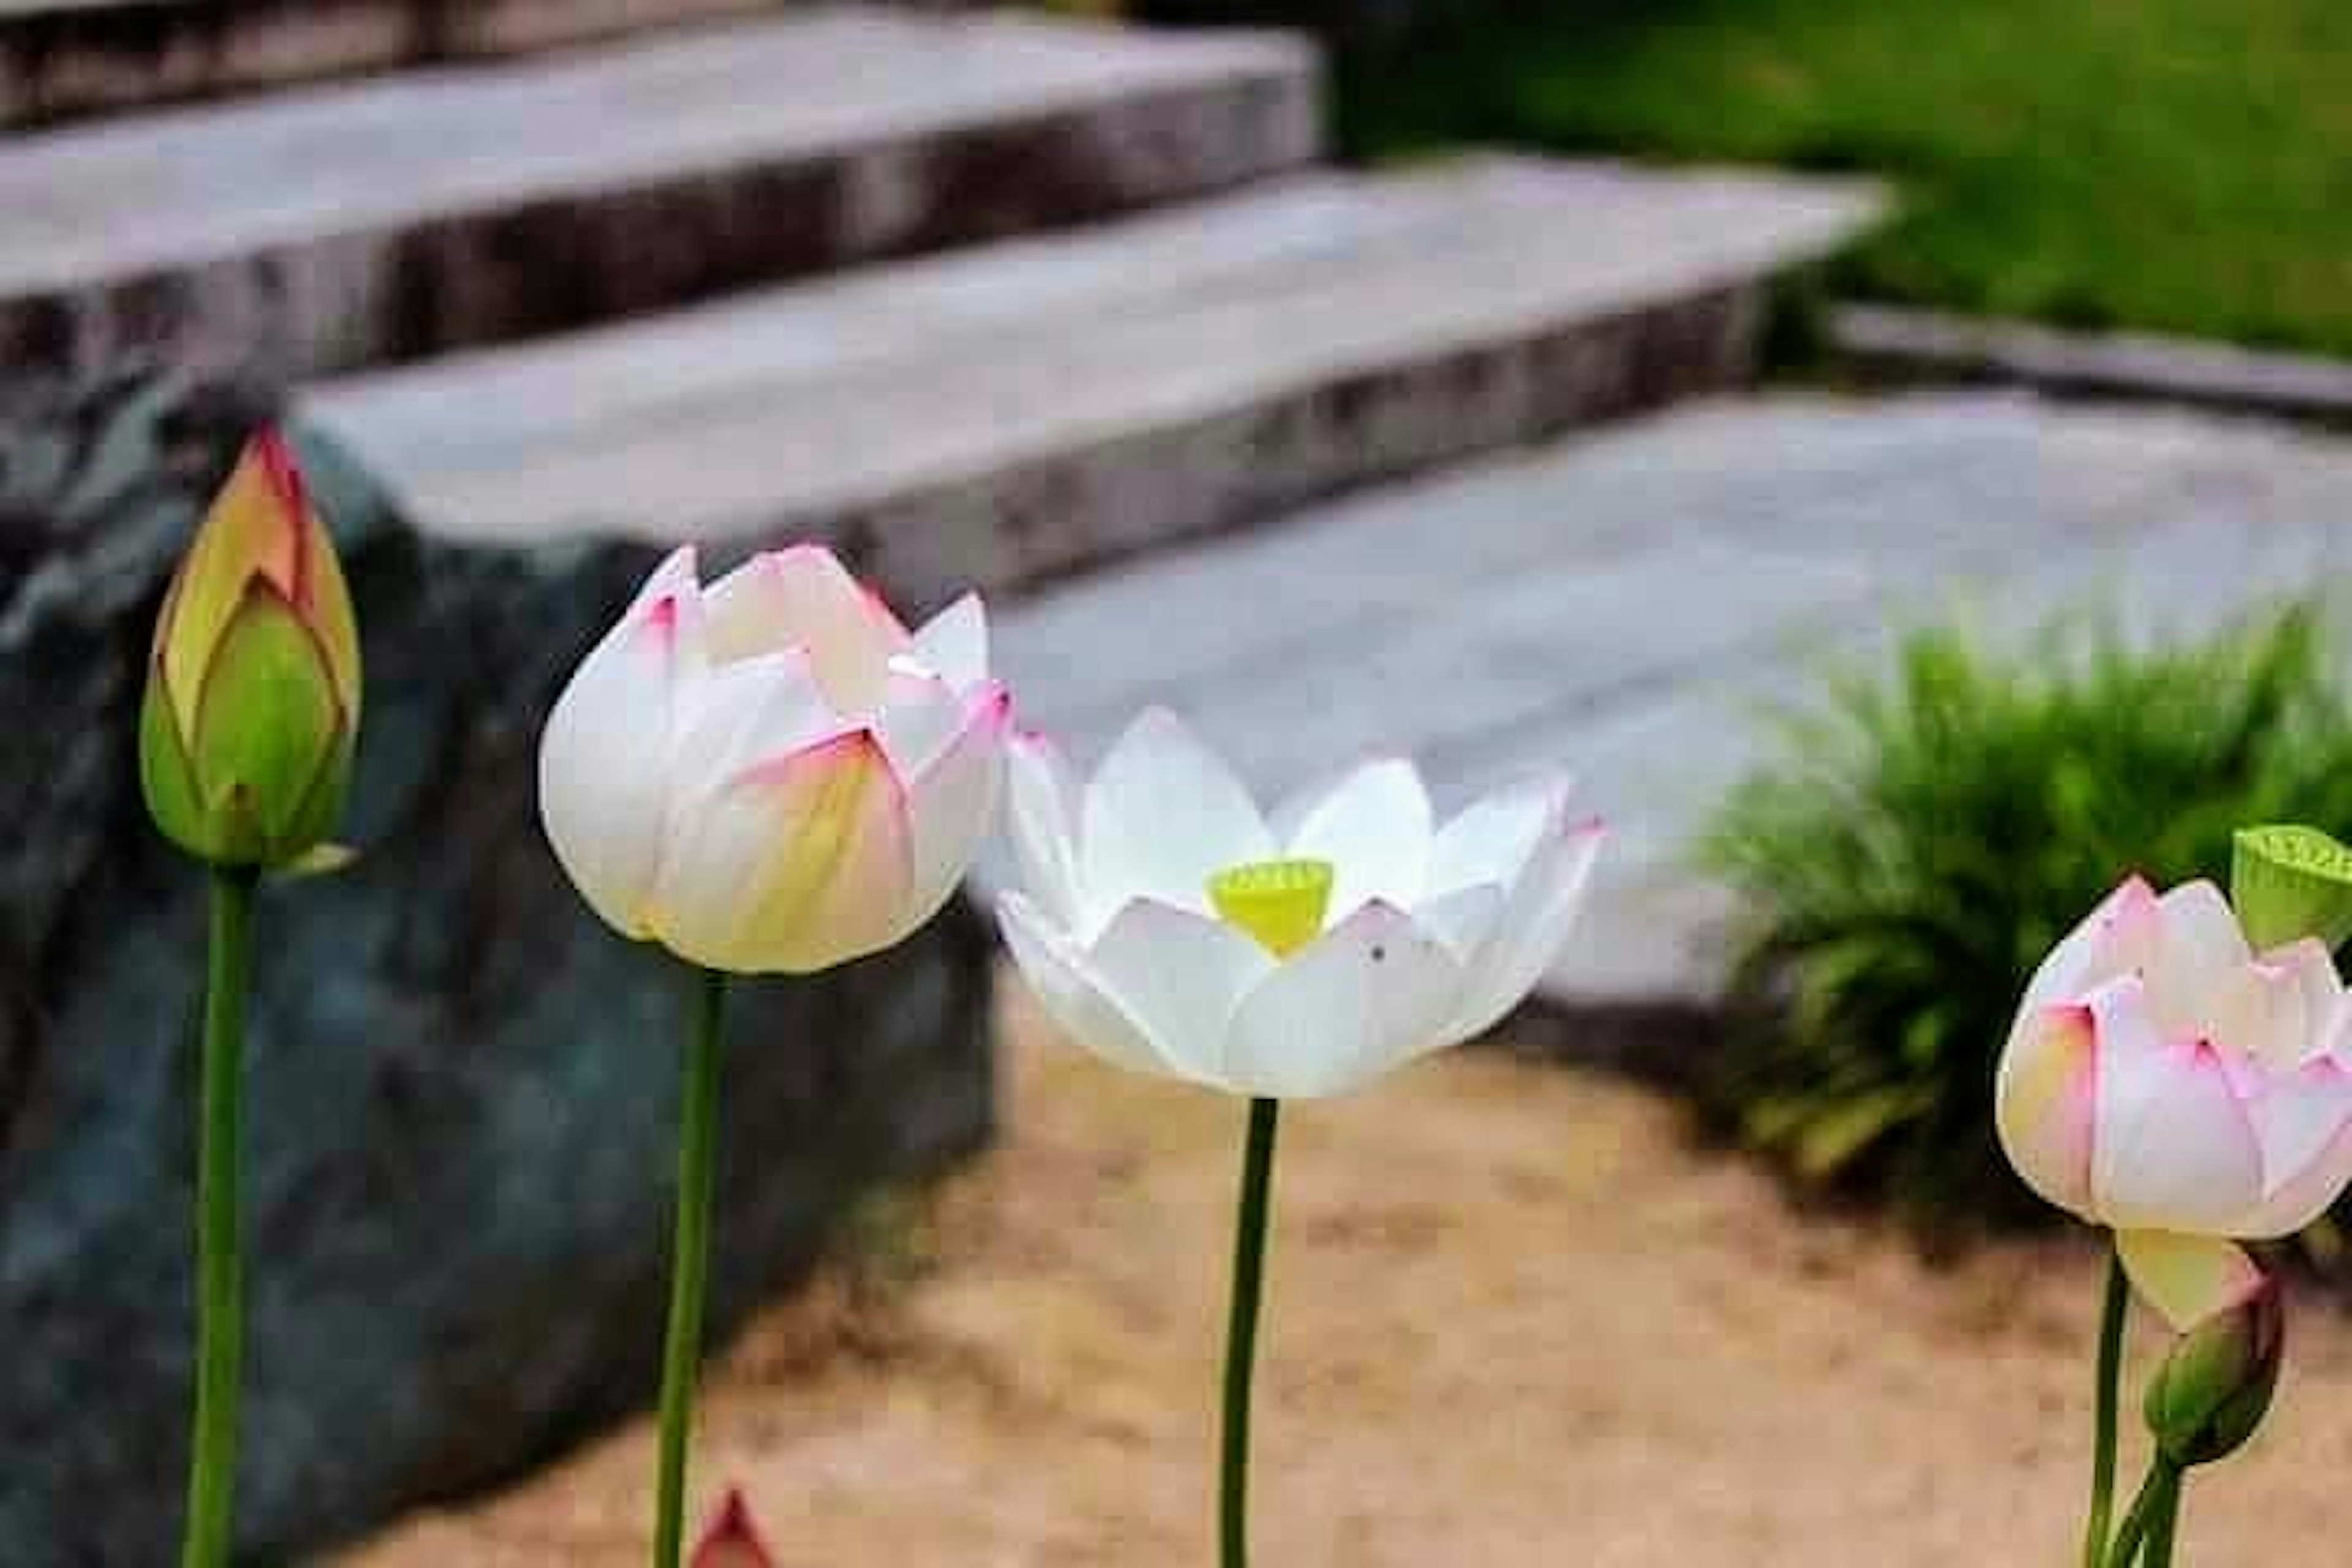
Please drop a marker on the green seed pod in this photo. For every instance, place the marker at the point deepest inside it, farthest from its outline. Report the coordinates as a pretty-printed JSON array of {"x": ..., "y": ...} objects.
[{"x": 2288, "y": 882}]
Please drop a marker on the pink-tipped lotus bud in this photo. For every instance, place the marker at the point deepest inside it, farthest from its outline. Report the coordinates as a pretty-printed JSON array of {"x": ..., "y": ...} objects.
[{"x": 252, "y": 706}]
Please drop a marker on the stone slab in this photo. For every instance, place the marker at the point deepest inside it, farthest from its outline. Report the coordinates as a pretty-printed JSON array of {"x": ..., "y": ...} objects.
[
  {"x": 427, "y": 211},
  {"x": 1004, "y": 414},
  {"x": 1635, "y": 605},
  {"x": 1888, "y": 341}
]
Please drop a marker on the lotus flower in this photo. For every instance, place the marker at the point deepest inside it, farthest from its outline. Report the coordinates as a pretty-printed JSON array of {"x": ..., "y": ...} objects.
[
  {"x": 732, "y": 1541},
  {"x": 773, "y": 775},
  {"x": 1171, "y": 928},
  {"x": 252, "y": 704},
  {"x": 2163, "y": 1080}
]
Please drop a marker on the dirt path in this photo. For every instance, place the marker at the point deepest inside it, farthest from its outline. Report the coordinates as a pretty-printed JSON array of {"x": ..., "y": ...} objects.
[{"x": 1514, "y": 1321}]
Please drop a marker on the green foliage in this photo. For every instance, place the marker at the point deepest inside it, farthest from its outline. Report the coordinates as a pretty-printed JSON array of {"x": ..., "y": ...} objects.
[
  {"x": 1926, "y": 839},
  {"x": 2169, "y": 165}
]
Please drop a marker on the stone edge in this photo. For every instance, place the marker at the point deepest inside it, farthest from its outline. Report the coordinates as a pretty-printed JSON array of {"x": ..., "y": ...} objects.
[{"x": 1891, "y": 343}]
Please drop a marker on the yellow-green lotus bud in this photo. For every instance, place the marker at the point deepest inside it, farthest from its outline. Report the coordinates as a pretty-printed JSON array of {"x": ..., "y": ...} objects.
[
  {"x": 252, "y": 706},
  {"x": 2289, "y": 882},
  {"x": 2215, "y": 1387}
]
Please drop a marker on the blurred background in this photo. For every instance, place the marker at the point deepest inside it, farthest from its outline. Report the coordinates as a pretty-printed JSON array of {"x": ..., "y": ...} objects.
[{"x": 1893, "y": 452}]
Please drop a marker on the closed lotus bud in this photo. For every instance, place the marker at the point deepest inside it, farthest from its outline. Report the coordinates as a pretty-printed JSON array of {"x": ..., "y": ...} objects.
[
  {"x": 252, "y": 707},
  {"x": 2213, "y": 1390},
  {"x": 2289, "y": 882},
  {"x": 732, "y": 1541}
]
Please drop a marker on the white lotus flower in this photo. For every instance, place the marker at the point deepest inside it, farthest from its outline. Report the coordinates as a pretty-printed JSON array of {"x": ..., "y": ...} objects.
[
  {"x": 775, "y": 775},
  {"x": 2164, "y": 1079},
  {"x": 1171, "y": 928}
]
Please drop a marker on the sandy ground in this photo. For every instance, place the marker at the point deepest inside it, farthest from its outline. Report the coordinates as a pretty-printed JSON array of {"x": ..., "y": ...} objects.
[{"x": 1514, "y": 1319}]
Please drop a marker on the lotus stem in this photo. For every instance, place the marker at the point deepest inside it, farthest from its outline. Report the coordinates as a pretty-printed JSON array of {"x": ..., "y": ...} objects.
[
  {"x": 2109, "y": 1398},
  {"x": 2153, "y": 1519},
  {"x": 1241, "y": 1335},
  {"x": 690, "y": 1260},
  {"x": 2166, "y": 1523},
  {"x": 220, "y": 1263}
]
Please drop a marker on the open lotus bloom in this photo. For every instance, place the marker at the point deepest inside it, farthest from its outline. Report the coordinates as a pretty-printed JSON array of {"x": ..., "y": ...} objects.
[
  {"x": 2163, "y": 1079},
  {"x": 773, "y": 775},
  {"x": 1170, "y": 927}
]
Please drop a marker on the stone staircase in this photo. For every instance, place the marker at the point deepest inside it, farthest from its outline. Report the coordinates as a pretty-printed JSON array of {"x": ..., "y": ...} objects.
[
  {"x": 987, "y": 297},
  {"x": 631, "y": 289},
  {"x": 1003, "y": 413}
]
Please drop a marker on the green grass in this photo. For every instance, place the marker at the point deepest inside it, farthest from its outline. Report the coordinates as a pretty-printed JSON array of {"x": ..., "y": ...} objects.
[{"x": 2180, "y": 165}]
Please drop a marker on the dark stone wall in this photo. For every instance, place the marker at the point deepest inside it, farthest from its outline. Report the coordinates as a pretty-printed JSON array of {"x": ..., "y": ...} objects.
[{"x": 462, "y": 1088}]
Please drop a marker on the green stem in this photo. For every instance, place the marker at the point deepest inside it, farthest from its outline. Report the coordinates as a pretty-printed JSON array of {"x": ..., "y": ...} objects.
[
  {"x": 220, "y": 1287},
  {"x": 2166, "y": 1523},
  {"x": 1240, "y": 1332},
  {"x": 690, "y": 1260},
  {"x": 2158, "y": 1500},
  {"x": 2102, "y": 1454}
]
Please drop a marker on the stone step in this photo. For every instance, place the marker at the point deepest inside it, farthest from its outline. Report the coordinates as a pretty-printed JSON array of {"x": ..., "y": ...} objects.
[
  {"x": 63, "y": 58},
  {"x": 349, "y": 225},
  {"x": 1632, "y": 603},
  {"x": 1000, "y": 415}
]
